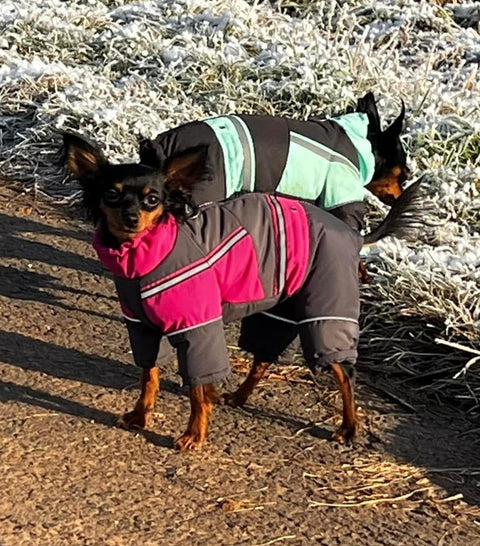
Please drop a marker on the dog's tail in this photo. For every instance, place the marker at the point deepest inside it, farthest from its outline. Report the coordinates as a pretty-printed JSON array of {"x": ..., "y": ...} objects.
[{"x": 405, "y": 218}]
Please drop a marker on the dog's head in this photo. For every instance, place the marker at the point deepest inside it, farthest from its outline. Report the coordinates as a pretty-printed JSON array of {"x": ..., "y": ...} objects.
[
  {"x": 129, "y": 198},
  {"x": 391, "y": 169}
]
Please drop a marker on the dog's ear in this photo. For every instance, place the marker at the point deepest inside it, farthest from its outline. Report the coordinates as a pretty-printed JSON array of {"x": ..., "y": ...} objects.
[
  {"x": 148, "y": 154},
  {"x": 368, "y": 106},
  {"x": 82, "y": 157},
  {"x": 395, "y": 129},
  {"x": 187, "y": 168}
]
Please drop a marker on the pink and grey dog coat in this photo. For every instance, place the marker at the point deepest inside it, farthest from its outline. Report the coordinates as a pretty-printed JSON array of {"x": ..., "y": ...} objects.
[{"x": 284, "y": 267}]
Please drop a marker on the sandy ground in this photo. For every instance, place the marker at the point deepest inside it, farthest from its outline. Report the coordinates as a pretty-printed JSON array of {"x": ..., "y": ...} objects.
[{"x": 269, "y": 474}]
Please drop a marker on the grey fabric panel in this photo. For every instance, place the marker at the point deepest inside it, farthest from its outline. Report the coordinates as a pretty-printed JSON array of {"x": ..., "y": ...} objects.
[
  {"x": 330, "y": 290},
  {"x": 202, "y": 354},
  {"x": 145, "y": 343},
  {"x": 129, "y": 294},
  {"x": 331, "y": 287},
  {"x": 328, "y": 341},
  {"x": 271, "y": 142},
  {"x": 326, "y": 132}
]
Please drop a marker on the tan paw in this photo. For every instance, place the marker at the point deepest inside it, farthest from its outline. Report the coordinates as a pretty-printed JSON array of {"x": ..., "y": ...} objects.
[
  {"x": 346, "y": 434},
  {"x": 231, "y": 399},
  {"x": 189, "y": 441},
  {"x": 134, "y": 419}
]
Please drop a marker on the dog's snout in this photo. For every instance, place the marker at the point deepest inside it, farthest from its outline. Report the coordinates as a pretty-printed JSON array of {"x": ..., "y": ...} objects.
[{"x": 130, "y": 219}]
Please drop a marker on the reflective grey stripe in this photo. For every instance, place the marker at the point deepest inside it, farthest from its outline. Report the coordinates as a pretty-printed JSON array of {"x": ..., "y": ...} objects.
[
  {"x": 282, "y": 243},
  {"x": 131, "y": 319},
  {"x": 315, "y": 319},
  {"x": 322, "y": 151},
  {"x": 197, "y": 269},
  {"x": 195, "y": 326},
  {"x": 279, "y": 318},
  {"x": 248, "y": 183},
  {"x": 305, "y": 321}
]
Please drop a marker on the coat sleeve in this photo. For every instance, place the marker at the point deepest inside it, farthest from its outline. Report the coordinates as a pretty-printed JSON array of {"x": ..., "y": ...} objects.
[
  {"x": 202, "y": 353},
  {"x": 145, "y": 342}
]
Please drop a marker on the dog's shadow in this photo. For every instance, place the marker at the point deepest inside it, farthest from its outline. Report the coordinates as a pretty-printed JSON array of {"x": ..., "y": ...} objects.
[
  {"x": 297, "y": 425},
  {"x": 27, "y": 395}
]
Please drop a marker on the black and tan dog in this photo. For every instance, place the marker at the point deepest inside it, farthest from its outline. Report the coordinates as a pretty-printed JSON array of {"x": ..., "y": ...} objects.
[
  {"x": 284, "y": 267},
  {"x": 330, "y": 163}
]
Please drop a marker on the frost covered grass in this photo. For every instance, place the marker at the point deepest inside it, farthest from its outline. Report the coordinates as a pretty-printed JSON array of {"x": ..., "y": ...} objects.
[{"x": 114, "y": 69}]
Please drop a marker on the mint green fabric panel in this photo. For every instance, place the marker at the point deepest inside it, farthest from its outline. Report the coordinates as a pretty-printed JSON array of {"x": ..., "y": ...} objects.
[
  {"x": 356, "y": 127},
  {"x": 342, "y": 189},
  {"x": 304, "y": 174},
  {"x": 232, "y": 149},
  {"x": 315, "y": 172}
]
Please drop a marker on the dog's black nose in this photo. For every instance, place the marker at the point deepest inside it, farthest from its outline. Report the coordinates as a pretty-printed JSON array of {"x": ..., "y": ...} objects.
[{"x": 130, "y": 220}]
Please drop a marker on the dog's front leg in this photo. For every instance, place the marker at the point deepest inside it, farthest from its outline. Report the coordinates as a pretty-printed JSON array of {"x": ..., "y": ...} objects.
[
  {"x": 349, "y": 428},
  {"x": 202, "y": 399},
  {"x": 143, "y": 410}
]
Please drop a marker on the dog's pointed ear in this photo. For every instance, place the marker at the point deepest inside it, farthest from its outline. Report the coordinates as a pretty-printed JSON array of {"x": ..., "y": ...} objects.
[
  {"x": 149, "y": 154},
  {"x": 395, "y": 129},
  {"x": 187, "y": 168},
  {"x": 83, "y": 158},
  {"x": 368, "y": 106}
]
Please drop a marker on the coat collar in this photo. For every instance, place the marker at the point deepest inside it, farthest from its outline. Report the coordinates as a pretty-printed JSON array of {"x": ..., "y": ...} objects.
[{"x": 142, "y": 254}]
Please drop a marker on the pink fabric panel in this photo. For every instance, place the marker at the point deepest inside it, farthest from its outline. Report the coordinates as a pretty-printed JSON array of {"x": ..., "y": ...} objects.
[
  {"x": 142, "y": 254},
  {"x": 193, "y": 302},
  {"x": 237, "y": 272},
  {"x": 298, "y": 243}
]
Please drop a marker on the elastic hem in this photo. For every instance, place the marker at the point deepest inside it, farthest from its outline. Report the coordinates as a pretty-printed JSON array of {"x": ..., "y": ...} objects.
[{"x": 324, "y": 361}]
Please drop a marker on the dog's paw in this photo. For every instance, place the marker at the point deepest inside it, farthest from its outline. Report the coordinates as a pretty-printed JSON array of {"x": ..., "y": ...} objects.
[
  {"x": 231, "y": 399},
  {"x": 346, "y": 434},
  {"x": 188, "y": 441},
  {"x": 134, "y": 419}
]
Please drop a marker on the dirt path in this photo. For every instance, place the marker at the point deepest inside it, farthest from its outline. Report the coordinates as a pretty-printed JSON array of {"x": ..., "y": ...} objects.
[{"x": 70, "y": 477}]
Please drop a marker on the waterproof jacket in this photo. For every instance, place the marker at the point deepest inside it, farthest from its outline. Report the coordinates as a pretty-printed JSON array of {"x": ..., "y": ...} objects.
[
  {"x": 326, "y": 162},
  {"x": 233, "y": 259}
]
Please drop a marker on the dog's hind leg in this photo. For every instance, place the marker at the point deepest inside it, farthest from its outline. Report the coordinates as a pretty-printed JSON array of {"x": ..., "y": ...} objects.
[
  {"x": 141, "y": 414},
  {"x": 202, "y": 400},
  {"x": 348, "y": 430},
  {"x": 240, "y": 396}
]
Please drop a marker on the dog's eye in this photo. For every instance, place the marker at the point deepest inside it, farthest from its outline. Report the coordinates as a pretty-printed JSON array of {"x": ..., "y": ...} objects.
[
  {"x": 151, "y": 200},
  {"x": 111, "y": 196}
]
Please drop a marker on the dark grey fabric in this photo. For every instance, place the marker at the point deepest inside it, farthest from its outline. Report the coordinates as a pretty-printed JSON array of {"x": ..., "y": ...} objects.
[
  {"x": 324, "y": 312},
  {"x": 145, "y": 343},
  {"x": 193, "y": 350},
  {"x": 352, "y": 214}
]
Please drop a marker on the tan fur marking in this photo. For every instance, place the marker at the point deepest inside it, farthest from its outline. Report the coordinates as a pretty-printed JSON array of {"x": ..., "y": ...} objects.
[
  {"x": 388, "y": 188},
  {"x": 116, "y": 227}
]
